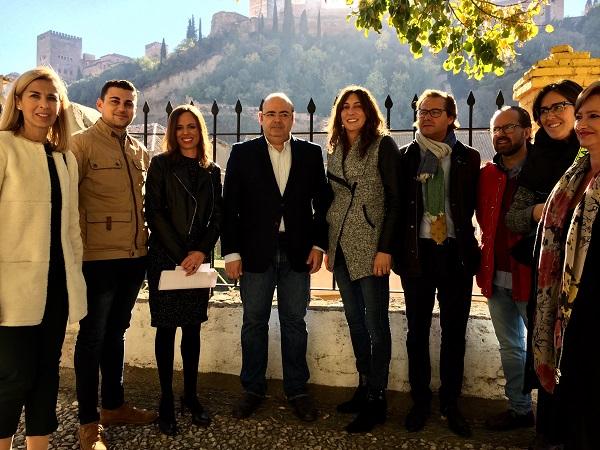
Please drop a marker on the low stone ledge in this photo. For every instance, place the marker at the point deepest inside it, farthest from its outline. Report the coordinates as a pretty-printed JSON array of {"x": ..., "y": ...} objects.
[{"x": 329, "y": 354}]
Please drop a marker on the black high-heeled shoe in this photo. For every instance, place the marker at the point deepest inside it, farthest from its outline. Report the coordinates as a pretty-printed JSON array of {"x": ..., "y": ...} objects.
[
  {"x": 166, "y": 417},
  {"x": 199, "y": 415}
]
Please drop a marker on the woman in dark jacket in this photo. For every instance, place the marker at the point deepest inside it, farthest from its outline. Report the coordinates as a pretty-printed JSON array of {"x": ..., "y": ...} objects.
[
  {"x": 555, "y": 147},
  {"x": 183, "y": 210},
  {"x": 362, "y": 167},
  {"x": 565, "y": 333}
]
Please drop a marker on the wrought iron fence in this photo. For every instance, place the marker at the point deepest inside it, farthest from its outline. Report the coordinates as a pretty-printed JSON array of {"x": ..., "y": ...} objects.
[{"x": 402, "y": 136}]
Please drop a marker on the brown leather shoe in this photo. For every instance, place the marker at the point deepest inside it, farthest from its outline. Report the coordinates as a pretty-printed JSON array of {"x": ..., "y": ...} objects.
[
  {"x": 126, "y": 415},
  {"x": 91, "y": 437}
]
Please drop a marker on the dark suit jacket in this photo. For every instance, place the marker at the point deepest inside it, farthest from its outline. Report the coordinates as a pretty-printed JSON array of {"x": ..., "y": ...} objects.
[
  {"x": 254, "y": 205},
  {"x": 464, "y": 176}
]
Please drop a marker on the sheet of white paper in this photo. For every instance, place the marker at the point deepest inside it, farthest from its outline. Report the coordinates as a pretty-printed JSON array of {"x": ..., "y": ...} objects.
[{"x": 205, "y": 277}]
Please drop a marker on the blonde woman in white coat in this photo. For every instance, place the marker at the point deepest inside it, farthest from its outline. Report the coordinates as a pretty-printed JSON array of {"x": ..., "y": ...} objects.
[{"x": 41, "y": 284}]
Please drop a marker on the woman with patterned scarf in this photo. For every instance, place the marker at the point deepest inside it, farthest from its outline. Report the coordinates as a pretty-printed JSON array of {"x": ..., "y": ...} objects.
[
  {"x": 564, "y": 333},
  {"x": 555, "y": 148}
]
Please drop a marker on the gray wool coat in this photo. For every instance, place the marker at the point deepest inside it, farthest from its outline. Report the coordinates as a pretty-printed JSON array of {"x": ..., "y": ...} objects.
[{"x": 363, "y": 215}]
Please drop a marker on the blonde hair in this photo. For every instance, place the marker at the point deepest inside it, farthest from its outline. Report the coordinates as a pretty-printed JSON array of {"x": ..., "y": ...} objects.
[{"x": 12, "y": 118}]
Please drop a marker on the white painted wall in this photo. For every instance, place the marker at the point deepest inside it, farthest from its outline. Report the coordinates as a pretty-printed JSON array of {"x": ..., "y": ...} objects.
[{"x": 330, "y": 356}]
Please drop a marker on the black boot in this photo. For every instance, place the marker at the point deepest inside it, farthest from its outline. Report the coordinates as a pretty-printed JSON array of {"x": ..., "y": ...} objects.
[
  {"x": 166, "y": 416},
  {"x": 358, "y": 400},
  {"x": 199, "y": 415},
  {"x": 373, "y": 412}
]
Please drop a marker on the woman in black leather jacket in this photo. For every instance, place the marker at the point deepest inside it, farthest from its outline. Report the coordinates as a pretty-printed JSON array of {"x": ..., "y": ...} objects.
[{"x": 183, "y": 210}]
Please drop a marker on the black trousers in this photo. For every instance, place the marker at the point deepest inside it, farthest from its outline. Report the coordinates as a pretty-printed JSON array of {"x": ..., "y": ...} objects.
[
  {"x": 441, "y": 272},
  {"x": 29, "y": 365}
]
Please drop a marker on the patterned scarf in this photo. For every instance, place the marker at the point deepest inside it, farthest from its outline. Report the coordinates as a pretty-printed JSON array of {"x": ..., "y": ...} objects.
[
  {"x": 431, "y": 175},
  {"x": 560, "y": 267}
]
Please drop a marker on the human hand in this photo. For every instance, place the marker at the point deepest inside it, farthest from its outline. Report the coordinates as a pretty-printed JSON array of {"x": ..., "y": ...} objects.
[
  {"x": 537, "y": 212},
  {"x": 327, "y": 266},
  {"x": 233, "y": 269},
  {"x": 315, "y": 258},
  {"x": 382, "y": 264},
  {"x": 192, "y": 262}
]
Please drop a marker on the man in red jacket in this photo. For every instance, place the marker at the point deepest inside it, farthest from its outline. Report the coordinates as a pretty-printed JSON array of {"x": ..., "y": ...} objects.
[{"x": 505, "y": 282}]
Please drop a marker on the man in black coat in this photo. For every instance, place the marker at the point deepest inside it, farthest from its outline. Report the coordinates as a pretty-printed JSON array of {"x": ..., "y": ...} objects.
[
  {"x": 438, "y": 179},
  {"x": 275, "y": 197}
]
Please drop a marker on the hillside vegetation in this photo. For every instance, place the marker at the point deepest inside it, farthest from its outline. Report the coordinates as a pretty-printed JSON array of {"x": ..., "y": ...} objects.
[{"x": 247, "y": 67}]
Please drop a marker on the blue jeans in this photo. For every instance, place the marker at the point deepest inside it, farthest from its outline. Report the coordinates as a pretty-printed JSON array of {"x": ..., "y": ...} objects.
[
  {"x": 509, "y": 319},
  {"x": 293, "y": 296},
  {"x": 112, "y": 289},
  {"x": 366, "y": 302}
]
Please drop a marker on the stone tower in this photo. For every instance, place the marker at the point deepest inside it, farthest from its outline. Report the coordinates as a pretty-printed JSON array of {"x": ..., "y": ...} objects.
[
  {"x": 563, "y": 64},
  {"x": 62, "y": 52},
  {"x": 261, "y": 7}
]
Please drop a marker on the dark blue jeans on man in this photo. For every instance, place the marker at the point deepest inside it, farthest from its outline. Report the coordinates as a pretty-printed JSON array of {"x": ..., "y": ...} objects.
[
  {"x": 293, "y": 296},
  {"x": 366, "y": 302},
  {"x": 112, "y": 289}
]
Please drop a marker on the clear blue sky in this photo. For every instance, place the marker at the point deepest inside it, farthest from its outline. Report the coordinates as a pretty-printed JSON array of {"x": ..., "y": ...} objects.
[
  {"x": 113, "y": 26},
  {"x": 106, "y": 26}
]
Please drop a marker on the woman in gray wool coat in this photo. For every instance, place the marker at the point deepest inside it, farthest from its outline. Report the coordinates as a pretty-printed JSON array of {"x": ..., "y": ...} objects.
[{"x": 362, "y": 168}]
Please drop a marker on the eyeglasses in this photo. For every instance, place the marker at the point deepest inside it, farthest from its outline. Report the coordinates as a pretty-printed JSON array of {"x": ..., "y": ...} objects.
[
  {"x": 506, "y": 129},
  {"x": 554, "y": 108},
  {"x": 281, "y": 115},
  {"x": 435, "y": 112}
]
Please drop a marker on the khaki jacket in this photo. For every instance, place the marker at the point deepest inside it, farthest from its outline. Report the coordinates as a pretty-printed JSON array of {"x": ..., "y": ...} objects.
[{"x": 112, "y": 173}]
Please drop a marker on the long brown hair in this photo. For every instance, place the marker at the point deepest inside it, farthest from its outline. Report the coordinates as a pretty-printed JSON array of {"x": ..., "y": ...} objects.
[
  {"x": 12, "y": 118},
  {"x": 170, "y": 143},
  {"x": 374, "y": 124}
]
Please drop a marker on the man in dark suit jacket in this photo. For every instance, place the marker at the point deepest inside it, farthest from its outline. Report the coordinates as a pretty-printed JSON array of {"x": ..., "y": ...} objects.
[
  {"x": 275, "y": 197},
  {"x": 438, "y": 183}
]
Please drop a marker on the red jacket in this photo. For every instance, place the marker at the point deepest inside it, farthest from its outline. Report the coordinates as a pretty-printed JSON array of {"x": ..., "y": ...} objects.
[{"x": 492, "y": 183}]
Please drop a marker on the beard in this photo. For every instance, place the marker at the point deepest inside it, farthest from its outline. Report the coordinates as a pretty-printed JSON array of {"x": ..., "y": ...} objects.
[{"x": 507, "y": 147}]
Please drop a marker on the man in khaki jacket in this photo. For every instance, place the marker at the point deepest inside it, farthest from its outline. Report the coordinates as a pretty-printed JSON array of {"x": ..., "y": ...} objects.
[{"x": 112, "y": 168}]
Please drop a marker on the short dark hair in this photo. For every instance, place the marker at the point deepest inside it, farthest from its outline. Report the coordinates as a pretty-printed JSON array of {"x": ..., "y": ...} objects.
[
  {"x": 567, "y": 88},
  {"x": 121, "y": 84},
  {"x": 524, "y": 117},
  {"x": 449, "y": 103},
  {"x": 592, "y": 89}
]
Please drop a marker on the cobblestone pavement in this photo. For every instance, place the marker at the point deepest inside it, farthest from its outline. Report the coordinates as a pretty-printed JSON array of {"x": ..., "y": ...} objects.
[{"x": 274, "y": 426}]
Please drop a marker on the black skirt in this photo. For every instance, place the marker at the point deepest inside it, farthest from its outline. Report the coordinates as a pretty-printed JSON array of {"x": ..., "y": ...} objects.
[{"x": 173, "y": 308}]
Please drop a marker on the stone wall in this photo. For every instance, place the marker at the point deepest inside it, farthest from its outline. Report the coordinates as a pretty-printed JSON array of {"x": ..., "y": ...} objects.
[
  {"x": 330, "y": 356},
  {"x": 227, "y": 22},
  {"x": 563, "y": 63}
]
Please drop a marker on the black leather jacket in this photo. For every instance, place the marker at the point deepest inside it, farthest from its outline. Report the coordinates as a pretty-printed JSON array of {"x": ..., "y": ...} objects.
[{"x": 182, "y": 217}]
